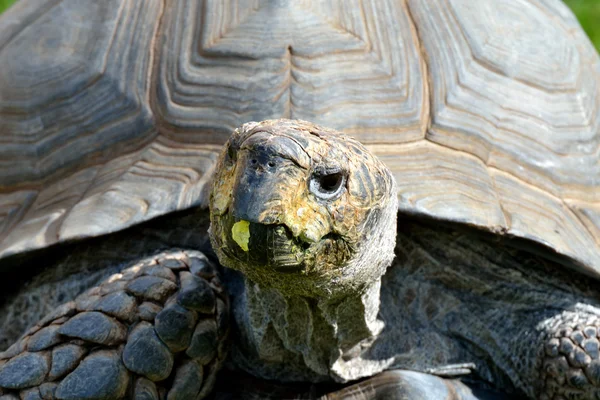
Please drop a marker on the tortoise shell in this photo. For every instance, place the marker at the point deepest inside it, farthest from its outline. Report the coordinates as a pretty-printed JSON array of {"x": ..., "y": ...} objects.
[{"x": 114, "y": 112}]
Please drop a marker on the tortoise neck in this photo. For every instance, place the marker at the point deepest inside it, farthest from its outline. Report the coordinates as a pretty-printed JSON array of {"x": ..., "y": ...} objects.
[{"x": 306, "y": 338}]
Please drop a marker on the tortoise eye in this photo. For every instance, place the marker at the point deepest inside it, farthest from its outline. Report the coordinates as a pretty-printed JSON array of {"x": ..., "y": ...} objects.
[{"x": 327, "y": 186}]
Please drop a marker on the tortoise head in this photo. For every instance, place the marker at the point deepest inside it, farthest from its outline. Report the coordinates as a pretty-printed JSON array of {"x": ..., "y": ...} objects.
[{"x": 302, "y": 208}]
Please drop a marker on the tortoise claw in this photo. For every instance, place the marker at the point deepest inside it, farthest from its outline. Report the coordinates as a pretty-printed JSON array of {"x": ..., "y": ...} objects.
[
  {"x": 452, "y": 370},
  {"x": 155, "y": 330}
]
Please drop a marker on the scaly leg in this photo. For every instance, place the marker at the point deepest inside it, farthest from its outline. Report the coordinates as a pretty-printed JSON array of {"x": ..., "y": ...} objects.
[
  {"x": 155, "y": 330},
  {"x": 571, "y": 358}
]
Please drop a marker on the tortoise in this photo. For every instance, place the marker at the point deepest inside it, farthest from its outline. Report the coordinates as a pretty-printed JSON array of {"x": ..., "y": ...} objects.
[{"x": 480, "y": 125}]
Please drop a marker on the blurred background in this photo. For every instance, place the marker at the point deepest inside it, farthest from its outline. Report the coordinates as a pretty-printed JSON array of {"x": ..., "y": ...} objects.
[{"x": 587, "y": 11}]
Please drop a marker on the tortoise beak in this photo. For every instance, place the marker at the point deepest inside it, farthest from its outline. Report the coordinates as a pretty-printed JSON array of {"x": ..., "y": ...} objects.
[
  {"x": 254, "y": 194},
  {"x": 267, "y": 167}
]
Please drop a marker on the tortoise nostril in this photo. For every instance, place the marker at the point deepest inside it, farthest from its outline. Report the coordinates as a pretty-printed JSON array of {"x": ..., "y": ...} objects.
[
  {"x": 253, "y": 161},
  {"x": 271, "y": 164}
]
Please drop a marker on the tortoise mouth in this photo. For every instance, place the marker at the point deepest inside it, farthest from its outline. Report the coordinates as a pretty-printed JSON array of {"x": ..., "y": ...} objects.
[
  {"x": 274, "y": 248},
  {"x": 270, "y": 246}
]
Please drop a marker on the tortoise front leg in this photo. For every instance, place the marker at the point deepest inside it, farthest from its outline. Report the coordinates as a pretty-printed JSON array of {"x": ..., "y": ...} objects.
[
  {"x": 570, "y": 367},
  {"x": 155, "y": 330}
]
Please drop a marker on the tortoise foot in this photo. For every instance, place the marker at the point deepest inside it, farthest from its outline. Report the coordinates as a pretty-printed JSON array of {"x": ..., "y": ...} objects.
[
  {"x": 155, "y": 330},
  {"x": 571, "y": 364}
]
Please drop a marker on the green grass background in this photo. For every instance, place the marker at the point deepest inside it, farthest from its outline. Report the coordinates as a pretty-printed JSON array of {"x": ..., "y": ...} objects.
[
  {"x": 588, "y": 12},
  {"x": 4, "y": 4}
]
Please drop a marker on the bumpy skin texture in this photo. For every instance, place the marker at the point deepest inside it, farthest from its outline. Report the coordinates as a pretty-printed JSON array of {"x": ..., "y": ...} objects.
[
  {"x": 571, "y": 361},
  {"x": 156, "y": 329}
]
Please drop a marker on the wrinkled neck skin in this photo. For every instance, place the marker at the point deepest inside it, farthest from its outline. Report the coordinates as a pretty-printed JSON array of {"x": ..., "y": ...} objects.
[{"x": 300, "y": 338}]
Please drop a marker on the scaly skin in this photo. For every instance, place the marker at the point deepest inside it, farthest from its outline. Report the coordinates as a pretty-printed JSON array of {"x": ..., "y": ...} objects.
[{"x": 167, "y": 315}]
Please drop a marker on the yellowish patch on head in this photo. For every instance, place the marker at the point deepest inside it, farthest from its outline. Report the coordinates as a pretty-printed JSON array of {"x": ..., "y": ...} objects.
[{"x": 240, "y": 233}]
